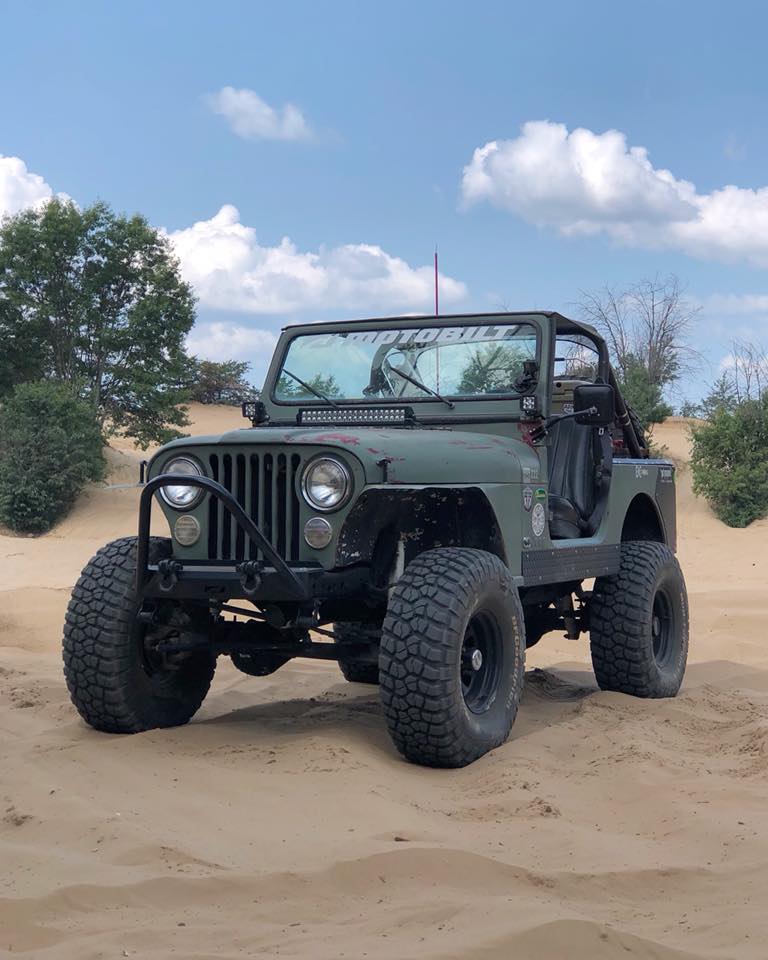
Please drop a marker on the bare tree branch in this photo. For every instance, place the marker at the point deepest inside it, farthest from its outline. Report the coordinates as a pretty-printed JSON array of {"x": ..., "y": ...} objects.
[
  {"x": 648, "y": 323},
  {"x": 748, "y": 371}
]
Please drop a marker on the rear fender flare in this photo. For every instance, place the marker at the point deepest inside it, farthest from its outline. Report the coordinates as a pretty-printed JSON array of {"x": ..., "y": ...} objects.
[{"x": 643, "y": 521}]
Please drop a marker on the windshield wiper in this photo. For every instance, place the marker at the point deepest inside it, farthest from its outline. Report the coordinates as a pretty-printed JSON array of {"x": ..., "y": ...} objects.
[
  {"x": 422, "y": 386},
  {"x": 308, "y": 386}
]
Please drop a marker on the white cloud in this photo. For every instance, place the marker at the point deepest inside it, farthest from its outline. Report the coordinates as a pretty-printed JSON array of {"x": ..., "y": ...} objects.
[
  {"x": 252, "y": 118},
  {"x": 584, "y": 182},
  {"x": 19, "y": 188},
  {"x": 229, "y": 341},
  {"x": 222, "y": 340},
  {"x": 230, "y": 270},
  {"x": 731, "y": 304}
]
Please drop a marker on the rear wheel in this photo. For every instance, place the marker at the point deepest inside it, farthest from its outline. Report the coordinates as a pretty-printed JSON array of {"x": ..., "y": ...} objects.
[
  {"x": 117, "y": 679},
  {"x": 639, "y": 623},
  {"x": 357, "y": 632},
  {"x": 452, "y": 659}
]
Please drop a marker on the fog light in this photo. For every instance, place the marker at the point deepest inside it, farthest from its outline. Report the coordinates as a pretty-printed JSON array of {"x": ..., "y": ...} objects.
[
  {"x": 186, "y": 530},
  {"x": 318, "y": 532}
]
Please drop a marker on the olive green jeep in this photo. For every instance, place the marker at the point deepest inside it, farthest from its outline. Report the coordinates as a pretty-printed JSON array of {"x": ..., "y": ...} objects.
[{"x": 418, "y": 498}]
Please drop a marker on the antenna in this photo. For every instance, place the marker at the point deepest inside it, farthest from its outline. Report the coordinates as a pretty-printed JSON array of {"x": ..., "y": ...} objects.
[
  {"x": 437, "y": 314},
  {"x": 437, "y": 298}
]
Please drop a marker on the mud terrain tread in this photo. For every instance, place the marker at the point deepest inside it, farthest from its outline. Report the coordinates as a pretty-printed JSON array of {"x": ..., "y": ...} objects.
[
  {"x": 358, "y": 632},
  {"x": 416, "y": 663},
  {"x": 620, "y": 611},
  {"x": 100, "y": 663}
]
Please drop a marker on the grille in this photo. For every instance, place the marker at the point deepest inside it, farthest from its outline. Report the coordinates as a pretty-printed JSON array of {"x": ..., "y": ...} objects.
[{"x": 264, "y": 484}]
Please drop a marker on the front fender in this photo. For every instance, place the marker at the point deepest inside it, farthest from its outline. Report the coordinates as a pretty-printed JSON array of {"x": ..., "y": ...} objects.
[{"x": 386, "y": 519}]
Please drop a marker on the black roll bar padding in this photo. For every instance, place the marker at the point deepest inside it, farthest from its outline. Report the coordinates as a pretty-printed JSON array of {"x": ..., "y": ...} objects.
[
  {"x": 216, "y": 490},
  {"x": 622, "y": 415}
]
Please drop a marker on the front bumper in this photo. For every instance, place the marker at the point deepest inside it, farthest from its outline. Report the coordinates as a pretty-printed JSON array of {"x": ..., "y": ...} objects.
[{"x": 272, "y": 580}]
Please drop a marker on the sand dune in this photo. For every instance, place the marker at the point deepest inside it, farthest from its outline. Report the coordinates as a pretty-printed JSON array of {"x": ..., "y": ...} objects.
[{"x": 281, "y": 822}]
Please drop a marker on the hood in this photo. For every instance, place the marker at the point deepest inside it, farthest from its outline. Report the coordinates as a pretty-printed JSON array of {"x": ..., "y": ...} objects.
[{"x": 413, "y": 456}]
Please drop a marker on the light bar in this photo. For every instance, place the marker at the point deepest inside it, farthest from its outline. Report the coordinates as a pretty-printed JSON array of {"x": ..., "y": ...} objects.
[{"x": 359, "y": 415}]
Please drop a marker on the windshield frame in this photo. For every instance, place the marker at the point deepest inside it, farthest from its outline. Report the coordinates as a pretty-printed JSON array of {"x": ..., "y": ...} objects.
[{"x": 388, "y": 323}]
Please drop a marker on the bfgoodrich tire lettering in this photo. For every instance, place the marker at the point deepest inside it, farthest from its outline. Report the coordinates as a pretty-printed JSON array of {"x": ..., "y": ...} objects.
[
  {"x": 438, "y": 713},
  {"x": 109, "y": 679},
  {"x": 639, "y": 623}
]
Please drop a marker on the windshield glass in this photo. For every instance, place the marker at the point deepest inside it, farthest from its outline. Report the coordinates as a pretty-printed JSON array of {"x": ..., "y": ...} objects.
[{"x": 387, "y": 363}]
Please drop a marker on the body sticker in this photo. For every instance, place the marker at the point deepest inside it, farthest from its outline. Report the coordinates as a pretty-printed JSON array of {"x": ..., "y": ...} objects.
[
  {"x": 530, "y": 474},
  {"x": 541, "y": 493},
  {"x": 538, "y": 519},
  {"x": 527, "y": 497}
]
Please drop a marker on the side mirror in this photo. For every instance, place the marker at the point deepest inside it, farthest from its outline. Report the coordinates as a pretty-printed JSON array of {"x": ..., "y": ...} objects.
[{"x": 593, "y": 404}]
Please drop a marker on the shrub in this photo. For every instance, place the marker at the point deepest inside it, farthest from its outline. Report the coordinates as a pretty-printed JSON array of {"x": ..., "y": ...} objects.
[
  {"x": 730, "y": 461},
  {"x": 50, "y": 447}
]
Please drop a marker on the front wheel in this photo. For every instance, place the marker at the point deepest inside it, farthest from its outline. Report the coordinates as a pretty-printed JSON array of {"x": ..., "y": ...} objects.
[
  {"x": 452, "y": 657},
  {"x": 116, "y": 678},
  {"x": 638, "y": 619}
]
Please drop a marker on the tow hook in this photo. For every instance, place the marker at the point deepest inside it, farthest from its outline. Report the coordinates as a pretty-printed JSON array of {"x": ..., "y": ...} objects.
[
  {"x": 250, "y": 575},
  {"x": 169, "y": 571}
]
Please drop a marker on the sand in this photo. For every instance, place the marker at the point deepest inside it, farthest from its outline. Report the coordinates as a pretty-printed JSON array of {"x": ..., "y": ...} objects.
[{"x": 281, "y": 822}]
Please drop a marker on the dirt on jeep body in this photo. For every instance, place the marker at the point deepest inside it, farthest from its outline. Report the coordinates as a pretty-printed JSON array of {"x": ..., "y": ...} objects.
[{"x": 282, "y": 821}]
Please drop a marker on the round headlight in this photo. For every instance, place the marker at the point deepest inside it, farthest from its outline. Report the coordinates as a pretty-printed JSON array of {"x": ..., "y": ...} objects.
[
  {"x": 180, "y": 496},
  {"x": 326, "y": 484}
]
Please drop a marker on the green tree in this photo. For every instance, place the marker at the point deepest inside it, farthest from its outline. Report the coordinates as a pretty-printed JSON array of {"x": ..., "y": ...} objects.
[
  {"x": 289, "y": 389},
  {"x": 643, "y": 395},
  {"x": 220, "y": 382},
  {"x": 95, "y": 299},
  {"x": 722, "y": 396},
  {"x": 729, "y": 461},
  {"x": 50, "y": 446},
  {"x": 491, "y": 367},
  {"x": 690, "y": 409}
]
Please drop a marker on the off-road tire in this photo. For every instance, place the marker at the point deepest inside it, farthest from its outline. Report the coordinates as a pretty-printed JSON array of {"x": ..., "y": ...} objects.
[
  {"x": 352, "y": 632},
  {"x": 442, "y": 593},
  {"x": 639, "y": 623},
  {"x": 104, "y": 664}
]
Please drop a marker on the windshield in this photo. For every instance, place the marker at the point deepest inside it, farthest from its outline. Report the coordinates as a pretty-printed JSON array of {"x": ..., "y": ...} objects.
[{"x": 393, "y": 363}]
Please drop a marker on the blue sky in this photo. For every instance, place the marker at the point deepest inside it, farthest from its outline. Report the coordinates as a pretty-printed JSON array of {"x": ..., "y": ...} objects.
[{"x": 372, "y": 165}]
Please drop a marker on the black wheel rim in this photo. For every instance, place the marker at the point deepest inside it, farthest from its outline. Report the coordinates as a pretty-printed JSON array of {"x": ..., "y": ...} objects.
[
  {"x": 662, "y": 628},
  {"x": 152, "y": 663},
  {"x": 481, "y": 661}
]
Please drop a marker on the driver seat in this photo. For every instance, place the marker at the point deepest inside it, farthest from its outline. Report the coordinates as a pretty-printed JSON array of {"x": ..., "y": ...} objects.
[{"x": 574, "y": 455}]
